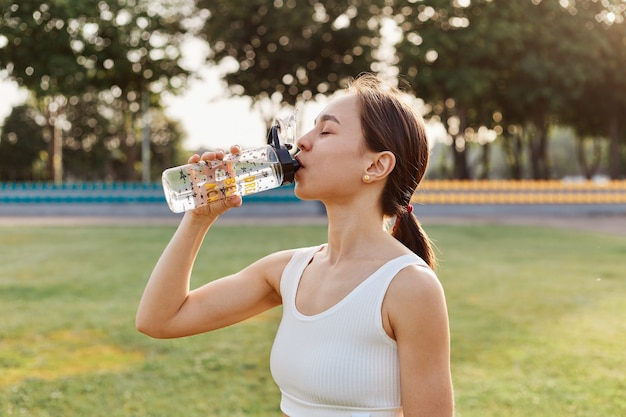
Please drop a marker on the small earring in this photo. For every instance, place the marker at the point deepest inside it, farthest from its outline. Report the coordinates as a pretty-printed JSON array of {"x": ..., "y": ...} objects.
[{"x": 366, "y": 178}]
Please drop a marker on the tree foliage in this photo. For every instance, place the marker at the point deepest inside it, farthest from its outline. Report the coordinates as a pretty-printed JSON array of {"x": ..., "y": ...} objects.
[
  {"x": 68, "y": 52},
  {"x": 484, "y": 68},
  {"x": 21, "y": 145},
  {"x": 66, "y": 46},
  {"x": 288, "y": 51},
  {"x": 516, "y": 67}
]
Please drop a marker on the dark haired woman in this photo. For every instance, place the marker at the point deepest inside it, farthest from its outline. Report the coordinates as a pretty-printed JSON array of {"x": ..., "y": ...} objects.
[{"x": 365, "y": 329}]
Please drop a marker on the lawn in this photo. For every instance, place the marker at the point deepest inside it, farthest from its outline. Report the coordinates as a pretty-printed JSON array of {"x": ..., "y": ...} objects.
[{"x": 537, "y": 319}]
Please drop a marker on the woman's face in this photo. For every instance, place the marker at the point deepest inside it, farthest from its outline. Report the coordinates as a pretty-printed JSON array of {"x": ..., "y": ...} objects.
[{"x": 333, "y": 155}]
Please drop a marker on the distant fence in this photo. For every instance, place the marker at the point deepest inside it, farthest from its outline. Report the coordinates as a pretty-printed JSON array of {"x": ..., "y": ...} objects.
[
  {"x": 82, "y": 192},
  {"x": 108, "y": 193},
  {"x": 436, "y": 192},
  {"x": 520, "y": 192}
]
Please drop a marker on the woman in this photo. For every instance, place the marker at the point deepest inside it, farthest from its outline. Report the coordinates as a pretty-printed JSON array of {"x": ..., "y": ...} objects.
[{"x": 365, "y": 327}]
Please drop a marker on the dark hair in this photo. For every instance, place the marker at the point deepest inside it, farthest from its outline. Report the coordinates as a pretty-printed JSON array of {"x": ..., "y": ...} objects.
[{"x": 390, "y": 123}]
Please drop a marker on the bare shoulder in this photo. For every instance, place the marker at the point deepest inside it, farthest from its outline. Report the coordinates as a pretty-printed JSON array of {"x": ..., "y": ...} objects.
[
  {"x": 415, "y": 298},
  {"x": 280, "y": 258},
  {"x": 415, "y": 283},
  {"x": 271, "y": 267}
]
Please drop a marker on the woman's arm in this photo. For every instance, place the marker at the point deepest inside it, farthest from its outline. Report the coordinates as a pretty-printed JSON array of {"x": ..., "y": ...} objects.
[
  {"x": 169, "y": 309},
  {"x": 418, "y": 316}
]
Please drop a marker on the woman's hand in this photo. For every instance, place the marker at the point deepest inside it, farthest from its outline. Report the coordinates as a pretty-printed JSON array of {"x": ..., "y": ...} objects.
[{"x": 221, "y": 206}]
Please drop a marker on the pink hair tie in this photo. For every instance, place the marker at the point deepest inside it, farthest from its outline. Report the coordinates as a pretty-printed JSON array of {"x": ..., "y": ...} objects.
[{"x": 409, "y": 209}]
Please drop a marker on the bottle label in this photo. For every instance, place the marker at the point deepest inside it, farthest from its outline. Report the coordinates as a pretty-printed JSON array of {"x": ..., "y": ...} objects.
[
  {"x": 211, "y": 182},
  {"x": 214, "y": 191},
  {"x": 249, "y": 185},
  {"x": 195, "y": 185}
]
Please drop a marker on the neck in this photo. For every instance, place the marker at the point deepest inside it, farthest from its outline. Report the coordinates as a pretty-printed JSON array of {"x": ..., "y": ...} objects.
[{"x": 354, "y": 231}]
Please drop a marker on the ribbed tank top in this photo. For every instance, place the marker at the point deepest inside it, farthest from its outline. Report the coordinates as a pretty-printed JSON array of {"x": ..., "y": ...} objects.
[{"x": 341, "y": 362}]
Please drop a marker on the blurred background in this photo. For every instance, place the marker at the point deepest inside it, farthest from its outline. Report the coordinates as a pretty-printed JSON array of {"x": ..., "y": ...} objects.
[
  {"x": 118, "y": 91},
  {"x": 525, "y": 102}
]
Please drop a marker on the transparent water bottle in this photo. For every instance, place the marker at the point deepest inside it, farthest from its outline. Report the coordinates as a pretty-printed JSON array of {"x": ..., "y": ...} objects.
[{"x": 195, "y": 185}]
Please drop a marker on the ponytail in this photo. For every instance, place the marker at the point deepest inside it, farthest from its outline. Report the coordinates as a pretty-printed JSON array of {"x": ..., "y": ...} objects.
[
  {"x": 409, "y": 232},
  {"x": 391, "y": 123}
]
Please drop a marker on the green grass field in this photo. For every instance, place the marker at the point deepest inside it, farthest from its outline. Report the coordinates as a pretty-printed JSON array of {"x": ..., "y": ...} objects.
[{"x": 538, "y": 323}]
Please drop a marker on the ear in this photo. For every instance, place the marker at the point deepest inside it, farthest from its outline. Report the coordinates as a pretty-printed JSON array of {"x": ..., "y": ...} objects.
[{"x": 382, "y": 163}]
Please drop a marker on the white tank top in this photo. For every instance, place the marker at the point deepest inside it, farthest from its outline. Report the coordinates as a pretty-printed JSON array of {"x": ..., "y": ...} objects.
[{"x": 341, "y": 362}]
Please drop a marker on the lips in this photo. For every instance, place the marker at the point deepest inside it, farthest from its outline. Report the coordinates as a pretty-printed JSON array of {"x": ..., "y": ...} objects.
[{"x": 299, "y": 162}]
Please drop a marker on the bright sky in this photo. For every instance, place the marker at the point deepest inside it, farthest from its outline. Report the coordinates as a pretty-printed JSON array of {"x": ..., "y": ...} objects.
[
  {"x": 10, "y": 96},
  {"x": 210, "y": 120}
]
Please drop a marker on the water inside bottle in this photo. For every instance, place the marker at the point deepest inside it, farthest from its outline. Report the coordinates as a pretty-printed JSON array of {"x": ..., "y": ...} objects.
[{"x": 195, "y": 185}]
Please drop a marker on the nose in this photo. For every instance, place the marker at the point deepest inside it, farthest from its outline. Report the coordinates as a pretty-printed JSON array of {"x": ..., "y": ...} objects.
[{"x": 304, "y": 142}]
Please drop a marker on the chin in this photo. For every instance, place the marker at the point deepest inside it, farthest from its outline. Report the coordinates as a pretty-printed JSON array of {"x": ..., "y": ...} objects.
[
  {"x": 297, "y": 190},
  {"x": 301, "y": 193}
]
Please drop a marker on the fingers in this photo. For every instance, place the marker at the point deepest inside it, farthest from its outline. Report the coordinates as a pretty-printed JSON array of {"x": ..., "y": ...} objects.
[
  {"x": 222, "y": 206},
  {"x": 211, "y": 156},
  {"x": 233, "y": 201},
  {"x": 217, "y": 206},
  {"x": 218, "y": 154},
  {"x": 235, "y": 149}
]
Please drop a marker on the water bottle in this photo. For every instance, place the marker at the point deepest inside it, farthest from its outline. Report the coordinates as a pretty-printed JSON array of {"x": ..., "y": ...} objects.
[{"x": 195, "y": 185}]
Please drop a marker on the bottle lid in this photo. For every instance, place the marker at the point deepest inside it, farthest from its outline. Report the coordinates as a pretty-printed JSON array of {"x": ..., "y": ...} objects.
[{"x": 282, "y": 137}]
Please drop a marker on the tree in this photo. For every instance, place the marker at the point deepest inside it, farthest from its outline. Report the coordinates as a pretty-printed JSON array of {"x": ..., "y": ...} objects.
[
  {"x": 599, "y": 110},
  {"x": 288, "y": 51},
  {"x": 560, "y": 51},
  {"x": 38, "y": 55},
  {"x": 135, "y": 50},
  {"x": 59, "y": 49},
  {"x": 449, "y": 54},
  {"x": 21, "y": 145},
  {"x": 514, "y": 66}
]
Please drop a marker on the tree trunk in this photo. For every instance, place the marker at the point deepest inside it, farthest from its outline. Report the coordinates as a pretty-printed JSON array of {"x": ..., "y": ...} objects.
[
  {"x": 461, "y": 170},
  {"x": 538, "y": 143},
  {"x": 52, "y": 112},
  {"x": 459, "y": 149},
  {"x": 145, "y": 136},
  {"x": 513, "y": 149},
  {"x": 51, "y": 149},
  {"x": 485, "y": 166},
  {"x": 589, "y": 167},
  {"x": 614, "y": 148},
  {"x": 57, "y": 156},
  {"x": 129, "y": 147}
]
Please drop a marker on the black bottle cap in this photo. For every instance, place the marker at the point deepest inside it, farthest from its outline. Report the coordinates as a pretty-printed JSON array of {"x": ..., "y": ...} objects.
[{"x": 288, "y": 163}]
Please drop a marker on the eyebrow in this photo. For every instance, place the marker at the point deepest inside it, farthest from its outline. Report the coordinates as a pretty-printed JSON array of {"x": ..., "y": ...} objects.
[{"x": 325, "y": 117}]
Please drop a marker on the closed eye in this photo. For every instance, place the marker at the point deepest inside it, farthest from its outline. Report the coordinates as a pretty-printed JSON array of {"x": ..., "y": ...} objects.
[
  {"x": 324, "y": 120},
  {"x": 325, "y": 129}
]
